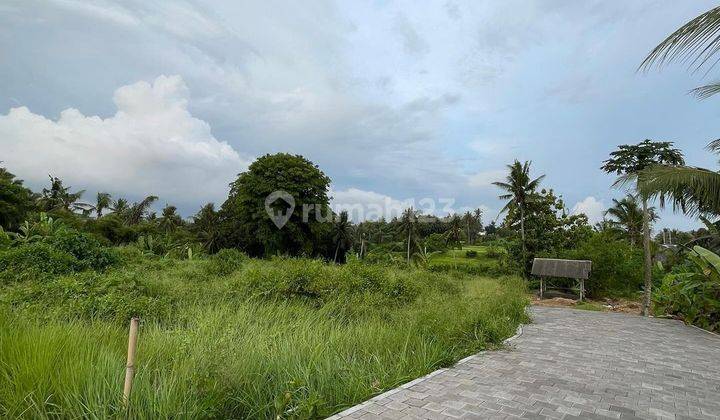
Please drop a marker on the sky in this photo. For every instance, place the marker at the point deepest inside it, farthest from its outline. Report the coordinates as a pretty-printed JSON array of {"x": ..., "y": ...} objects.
[{"x": 397, "y": 102}]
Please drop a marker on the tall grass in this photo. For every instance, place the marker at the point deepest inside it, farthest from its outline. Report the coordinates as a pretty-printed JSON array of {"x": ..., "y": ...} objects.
[{"x": 286, "y": 338}]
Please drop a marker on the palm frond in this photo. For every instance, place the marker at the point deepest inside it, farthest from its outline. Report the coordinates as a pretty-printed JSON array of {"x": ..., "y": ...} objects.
[
  {"x": 691, "y": 189},
  {"x": 704, "y": 92},
  {"x": 694, "y": 43}
]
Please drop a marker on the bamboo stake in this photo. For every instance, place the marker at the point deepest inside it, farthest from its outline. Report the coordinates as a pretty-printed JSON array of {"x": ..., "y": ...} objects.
[{"x": 130, "y": 366}]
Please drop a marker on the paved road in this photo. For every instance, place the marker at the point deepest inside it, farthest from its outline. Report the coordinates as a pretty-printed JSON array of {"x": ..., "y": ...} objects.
[{"x": 571, "y": 364}]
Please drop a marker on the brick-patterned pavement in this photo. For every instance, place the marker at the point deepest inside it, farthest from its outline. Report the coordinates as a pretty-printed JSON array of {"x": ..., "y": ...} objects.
[{"x": 571, "y": 364}]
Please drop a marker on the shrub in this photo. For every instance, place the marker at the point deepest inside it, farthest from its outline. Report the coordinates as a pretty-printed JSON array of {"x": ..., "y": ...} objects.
[
  {"x": 86, "y": 248},
  {"x": 617, "y": 267},
  {"x": 313, "y": 280},
  {"x": 32, "y": 259},
  {"x": 225, "y": 262},
  {"x": 89, "y": 295},
  {"x": 470, "y": 253},
  {"x": 692, "y": 290},
  {"x": 493, "y": 252}
]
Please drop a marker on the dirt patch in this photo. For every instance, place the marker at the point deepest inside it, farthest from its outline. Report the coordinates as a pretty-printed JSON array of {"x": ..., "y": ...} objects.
[{"x": 608, "y": 305}]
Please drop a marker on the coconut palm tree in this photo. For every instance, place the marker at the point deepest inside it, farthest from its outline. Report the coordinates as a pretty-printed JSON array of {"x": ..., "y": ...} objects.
[
  {"x": 205, "y": 225},
  {"x": 170, "y": 220},
  {"x": 59, "y": 197},
  {"x": 139, "y": 210},
  {"x": 454, "y": 233},
  {"x": 628, "y": 217},
  {"x": 408, "y": 229},
  {"x": 692, "y": 189},
  {"x": 519, "y": 188},
  {"x": 629, "y": 161},
  {"x": 342, "y": 233},
  {"x": 103, "y": 202},
  {"x": 696, "y": 43}
]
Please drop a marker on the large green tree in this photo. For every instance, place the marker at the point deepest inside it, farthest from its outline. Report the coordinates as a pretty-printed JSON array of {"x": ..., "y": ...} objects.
[
  {"x": 15, "y": 200},
  {"x": 629, "y": 161},
  {"x": 246, "y": 223},
  {"x": 549, "y": 229}
]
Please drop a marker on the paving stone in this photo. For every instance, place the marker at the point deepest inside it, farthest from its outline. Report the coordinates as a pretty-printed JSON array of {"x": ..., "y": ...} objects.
[{"x": 571, "y": 364}]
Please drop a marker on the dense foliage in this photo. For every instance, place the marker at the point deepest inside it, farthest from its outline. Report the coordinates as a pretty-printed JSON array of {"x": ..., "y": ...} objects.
[
  {"x": 244, "y": 219},
  {"x": 616, "y": 265},
  {"x": 692, "y": 291}
]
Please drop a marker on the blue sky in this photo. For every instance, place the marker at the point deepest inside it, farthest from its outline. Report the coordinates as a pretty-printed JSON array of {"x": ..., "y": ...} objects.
[{"x": 393, "y": 100}]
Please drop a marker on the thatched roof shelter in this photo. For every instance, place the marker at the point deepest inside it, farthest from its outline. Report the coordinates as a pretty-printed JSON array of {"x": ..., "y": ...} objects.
[{"x": 552, "y": 267}]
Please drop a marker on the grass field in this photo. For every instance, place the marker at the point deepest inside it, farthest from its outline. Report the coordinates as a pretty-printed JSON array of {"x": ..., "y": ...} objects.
[
  {"x": 232, "y": 337},
  {"x": 484, "y": 262}
]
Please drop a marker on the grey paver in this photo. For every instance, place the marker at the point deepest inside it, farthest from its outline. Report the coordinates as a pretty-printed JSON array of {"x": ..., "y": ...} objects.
[{"x": 572, "y": 364}]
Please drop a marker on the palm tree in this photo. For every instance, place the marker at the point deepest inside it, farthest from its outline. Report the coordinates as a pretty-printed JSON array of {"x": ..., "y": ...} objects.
[
  {"x": 696, "y": 43},
  {"x": 628, "y": 217},
  {"x": 629, "y": 161},
  {"x": 59, "y": 197},
  {"x": 139, "y": 210},
  {"x": 103, "y": 202},
  {"x": 519, "y": 188},
  {"x": 342, "y": 233},
  {"x": 693, "y": 190},
  {"x": 169, "y": 220},
  {"x": 205, "y": 225},
  {"x": 454, "y": 233},
  {"x": 120, "y": 206},
  {"x": 408, "y": 228}
]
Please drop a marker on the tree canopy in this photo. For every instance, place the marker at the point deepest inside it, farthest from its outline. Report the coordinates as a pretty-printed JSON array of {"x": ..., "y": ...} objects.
[{"x": 245, "y": 221}]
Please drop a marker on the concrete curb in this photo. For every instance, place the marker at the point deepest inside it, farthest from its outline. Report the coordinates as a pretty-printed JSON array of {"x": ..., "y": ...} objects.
[{"x": 347, "y": 412}]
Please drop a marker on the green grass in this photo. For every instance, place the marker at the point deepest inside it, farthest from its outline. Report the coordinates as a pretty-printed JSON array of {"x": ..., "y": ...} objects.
[
  {"x": 269, "y": 339},
  {"x": 457, "y": 259}
]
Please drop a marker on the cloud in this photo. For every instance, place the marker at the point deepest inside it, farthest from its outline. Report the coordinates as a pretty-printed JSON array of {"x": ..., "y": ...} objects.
[
  {"x": 367, "y": 205},
  {"x": 152, "y": 145},
  {"x": 486, "y": 178},
  {"x": 591, "y": 207}
]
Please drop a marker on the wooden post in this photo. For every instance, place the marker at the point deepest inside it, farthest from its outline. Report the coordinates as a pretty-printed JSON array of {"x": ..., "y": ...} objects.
[
  {"x": 130, "y": 366},
  {"x": 541, "y": 288},
  {"x": 582, "y": 289}
]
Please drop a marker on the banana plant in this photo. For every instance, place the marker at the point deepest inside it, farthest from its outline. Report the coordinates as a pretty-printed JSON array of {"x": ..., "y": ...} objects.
[{"x": 694, "y": 293}]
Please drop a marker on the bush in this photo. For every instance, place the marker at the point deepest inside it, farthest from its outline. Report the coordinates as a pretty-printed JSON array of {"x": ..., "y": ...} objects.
[
  {"x": 86, "y": 248},
  {"x": 470, "y": 253},
  {"x": 617, "y": 267},
  {"x": 225, "y": 262},
  {"x": 493, "y": 252},
  {"x": 691, "y": 291},
  {"x": 37, "y": 258},
  {"x": 313, "y": 280},
  {"x": 89, "y": 295}
]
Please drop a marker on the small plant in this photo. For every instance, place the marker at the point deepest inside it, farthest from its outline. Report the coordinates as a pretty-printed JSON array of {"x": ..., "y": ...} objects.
[
  {"x": 225, "y": 262},
  {"x": 471, "y": 253}
]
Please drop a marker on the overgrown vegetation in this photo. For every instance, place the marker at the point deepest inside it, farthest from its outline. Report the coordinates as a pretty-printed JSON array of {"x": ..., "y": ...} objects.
[{"x": 226, "y": 335}]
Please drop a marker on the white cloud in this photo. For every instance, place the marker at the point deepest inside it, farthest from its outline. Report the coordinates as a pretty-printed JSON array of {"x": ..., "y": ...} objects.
[
  {"x": 152, "y": 145},
  {"x": 486, "y": 178},
  {"x": 367, "y": 205},
  {"x": 591, "y": 207}
]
